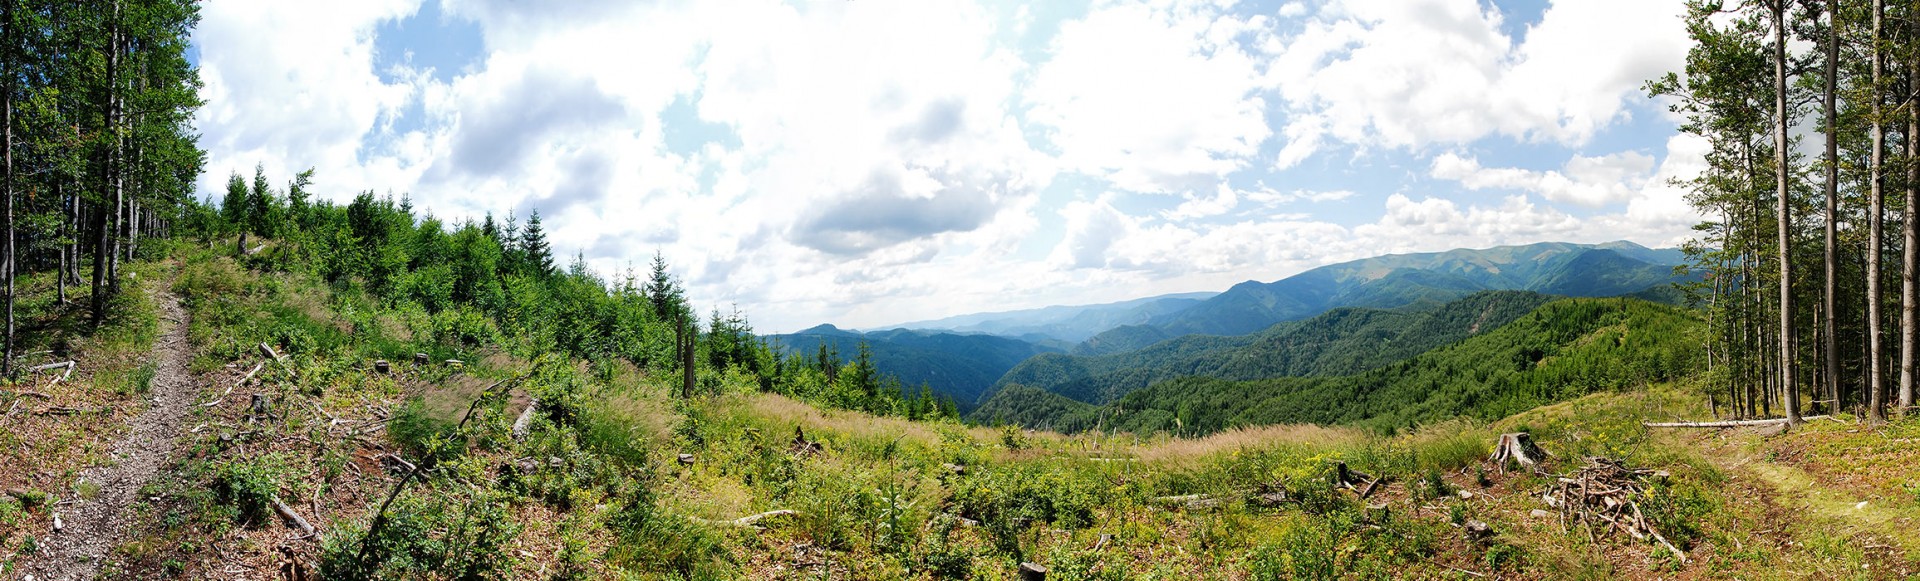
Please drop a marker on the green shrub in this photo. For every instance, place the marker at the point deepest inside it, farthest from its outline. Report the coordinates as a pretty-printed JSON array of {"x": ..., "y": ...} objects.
[
  {"x": 650, "y": 540},
  {"x": 249, "y": 485},
  {"x": 460, "y": 537},
  {"x": 424, "y": 437}
]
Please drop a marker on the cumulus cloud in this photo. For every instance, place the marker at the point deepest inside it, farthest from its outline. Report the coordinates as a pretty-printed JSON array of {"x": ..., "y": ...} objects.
[
  {"x": 1410, "y": 74},
  {"x": 1585, "y": 181},
  {"x": 873, "y": 161},
  {"x": 1154, "y": 98}
]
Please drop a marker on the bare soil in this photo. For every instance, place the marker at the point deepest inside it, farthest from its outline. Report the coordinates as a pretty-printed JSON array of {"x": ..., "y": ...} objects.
[{"x": 93, "y": 526}]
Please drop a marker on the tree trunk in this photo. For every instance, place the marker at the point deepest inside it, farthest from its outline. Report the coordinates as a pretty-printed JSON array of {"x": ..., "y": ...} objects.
[
  {"x": 1790, "y": 397},
  {"x": 11, "y": 33},
  {"x": 1876, "y": 199},
  {"x": 103, "y": 249},
  {"x": 1910, "y": 253},
  {"x": 1828, "y": 325}
]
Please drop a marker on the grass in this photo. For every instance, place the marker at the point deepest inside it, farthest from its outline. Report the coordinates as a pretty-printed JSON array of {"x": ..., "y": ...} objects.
[{"x": 596, "y": 489}]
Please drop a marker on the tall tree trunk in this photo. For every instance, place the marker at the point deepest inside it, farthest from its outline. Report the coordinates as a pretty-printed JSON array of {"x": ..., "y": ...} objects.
[
  {"x": 1910, "y": 262},
  {"x": 1790, "y": 396},
  {"x": 1876, "y": 200},
  {"x": 103, "y": 228},
  {"x": 60, "y": 269},
  {"x": 10, "y": 54},
  {"x": 1832, "y": 352}
]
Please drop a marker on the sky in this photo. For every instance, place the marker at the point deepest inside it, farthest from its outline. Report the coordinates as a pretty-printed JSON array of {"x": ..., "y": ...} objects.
[{"x": 867, "y": 162}]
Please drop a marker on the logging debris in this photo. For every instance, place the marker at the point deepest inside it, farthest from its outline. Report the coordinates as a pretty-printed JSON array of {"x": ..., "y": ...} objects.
[{"x": 1606, "y": 495}]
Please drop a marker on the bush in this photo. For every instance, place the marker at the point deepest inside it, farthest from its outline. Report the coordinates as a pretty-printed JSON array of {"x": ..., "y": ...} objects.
[
  {"x": 648, "y": 539},
  {"x": 249, "y": 485},
  {"x": 424, "y": 437},
  {"x": 460, "y": 538}
]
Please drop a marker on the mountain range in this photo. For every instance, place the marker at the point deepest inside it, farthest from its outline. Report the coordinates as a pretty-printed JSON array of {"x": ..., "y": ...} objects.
[{"x": 1364, "y": 313}]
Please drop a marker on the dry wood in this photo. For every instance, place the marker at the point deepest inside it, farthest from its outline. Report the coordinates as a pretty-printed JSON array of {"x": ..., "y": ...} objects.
[
  {"x": 1607, "y": 493},
  {"x": 747, "y": 521},
  {"x": 293, "y": 518},
  {"x": 1190, "y": 500},
  {"x": 40, "y": 368},
  {"x": 525, "y": 421},
  {"x": 1517, "y": 448},
  {"x": 1727, "y": 424}
]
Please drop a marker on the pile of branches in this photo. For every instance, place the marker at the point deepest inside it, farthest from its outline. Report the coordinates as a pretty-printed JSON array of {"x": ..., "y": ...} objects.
[{"x": 1606, "y": 495}]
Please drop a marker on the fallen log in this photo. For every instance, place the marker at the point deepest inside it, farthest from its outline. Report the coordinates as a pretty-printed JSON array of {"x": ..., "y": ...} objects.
[
  {"x": 293, "y": 518},
  {"x": 1728, "y": 423},
  {"x": 525, "y": 421},
  {"x": 747, "y": 521},
  {"x": 40, "y": 368},
  {"x": 1190, "y": 500}
]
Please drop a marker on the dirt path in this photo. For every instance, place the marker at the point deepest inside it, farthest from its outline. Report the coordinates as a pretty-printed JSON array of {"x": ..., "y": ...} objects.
[{"x": 94, "y": 526}]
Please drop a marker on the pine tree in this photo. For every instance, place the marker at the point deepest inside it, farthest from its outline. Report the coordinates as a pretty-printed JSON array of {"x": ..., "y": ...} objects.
[
  {"x": 668, "y": 302},
  {"x": 533, "y": 246}
]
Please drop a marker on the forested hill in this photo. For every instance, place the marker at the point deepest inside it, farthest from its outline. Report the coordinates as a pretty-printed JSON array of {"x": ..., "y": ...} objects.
[
  {"x": 1339, "y": 342},
  {"x": 1068, "y": 323},
  {"x": 958, "y": 366},
  {"x": 1611, "y": 269},
  {"x": 1559, "y": 351}
]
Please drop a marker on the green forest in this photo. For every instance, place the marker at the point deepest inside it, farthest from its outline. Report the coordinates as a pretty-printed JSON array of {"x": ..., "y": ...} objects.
[{"x": 298, "y": 379}]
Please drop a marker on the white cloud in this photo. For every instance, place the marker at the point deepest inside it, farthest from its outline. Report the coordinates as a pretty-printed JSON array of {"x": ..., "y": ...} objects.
[
  {"x": 1153, "y": 98},
  {"x": 1420, "y": 72},
  {"x": 290, "y": 85},
  {"x": 1586, "y": 181},
  {"x": 880, "y": 161}
]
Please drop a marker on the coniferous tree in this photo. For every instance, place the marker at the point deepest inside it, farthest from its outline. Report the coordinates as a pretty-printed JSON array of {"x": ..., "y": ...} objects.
[{"x": 537, "y": 253}]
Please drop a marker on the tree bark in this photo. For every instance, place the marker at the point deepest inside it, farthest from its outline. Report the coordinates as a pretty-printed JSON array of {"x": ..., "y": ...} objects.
[
  {"x": 6, "y": 19},
  {"x": 1828, "y": 325},
  {"x": 1789, "y": 394},
  {"x": 1876, "y": 199}
]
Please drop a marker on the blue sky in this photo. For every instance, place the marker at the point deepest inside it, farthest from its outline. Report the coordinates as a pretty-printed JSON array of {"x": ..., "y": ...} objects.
[{"x": 865, "y": 163}]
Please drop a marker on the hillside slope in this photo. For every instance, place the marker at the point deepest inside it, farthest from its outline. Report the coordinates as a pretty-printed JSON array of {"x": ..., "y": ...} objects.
[
  {"x": 1561, "y": 350},
  {"x": 1340, "y": 342},
  {"x": 1390, "y": 281},
  {"x": 959, "y": 366}
]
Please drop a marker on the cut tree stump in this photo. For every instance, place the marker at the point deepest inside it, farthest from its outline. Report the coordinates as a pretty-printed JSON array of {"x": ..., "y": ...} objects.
[
  {"x": 1517, "y": 448},
  {"x": 1032, "y": 572},
  {"x": 381, "y": 366}
]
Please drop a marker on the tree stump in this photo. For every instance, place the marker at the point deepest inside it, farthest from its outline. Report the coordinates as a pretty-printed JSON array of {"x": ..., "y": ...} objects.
[
  {"x": 420, "y": 359},
  {"x": 1032, "y": 572},
  {"x": 261, "y": 406},
  {"x": 1517, "y": 448},
  {"x": 686, "y": 459},
  {"x": 381, "y": 366}
]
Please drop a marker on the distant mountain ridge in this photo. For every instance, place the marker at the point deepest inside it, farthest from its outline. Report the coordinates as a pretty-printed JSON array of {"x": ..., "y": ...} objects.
[
  {"x": 1560, "y": 268},
  {"x": 960, "y": 366},
  {"x": 1068, "y": 323},
  {"x": 1342, "y": 341}
]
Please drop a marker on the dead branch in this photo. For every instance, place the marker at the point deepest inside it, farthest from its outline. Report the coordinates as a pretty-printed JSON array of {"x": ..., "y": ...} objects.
[
  {"x": 1607, "y": 493},
  {"x": 747, "y": 521},
  {"x": 1727, "y": 424},
  {"x": 293, "y": 518},
  {"x": 1190, "y": 500},
  {"x": 40, "y": 368}
]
